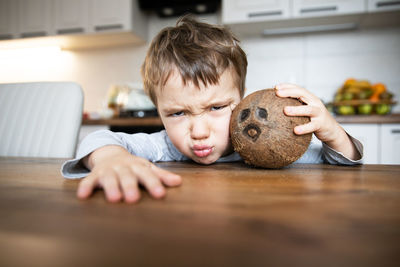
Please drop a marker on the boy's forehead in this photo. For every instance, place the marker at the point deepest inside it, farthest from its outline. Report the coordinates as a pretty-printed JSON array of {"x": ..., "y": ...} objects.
[
  {"x": 176, "y": 95},
  {"x": 228, "y": 77}
]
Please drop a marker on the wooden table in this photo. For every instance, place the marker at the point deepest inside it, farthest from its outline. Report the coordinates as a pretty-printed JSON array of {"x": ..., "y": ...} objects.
[{"x": 222, "y": 215}]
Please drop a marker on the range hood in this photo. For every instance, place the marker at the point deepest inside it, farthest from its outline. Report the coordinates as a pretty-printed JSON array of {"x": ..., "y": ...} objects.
[{"x": 172, "y": 8}]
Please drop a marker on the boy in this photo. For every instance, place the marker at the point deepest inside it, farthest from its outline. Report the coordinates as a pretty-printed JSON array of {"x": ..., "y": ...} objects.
[{"x": 195, "y": 75}]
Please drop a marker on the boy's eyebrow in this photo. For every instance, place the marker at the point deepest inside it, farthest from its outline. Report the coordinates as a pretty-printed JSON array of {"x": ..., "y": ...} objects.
[
  {"x": 221, "y": 102},
  {"x": 170, "y": 110}
]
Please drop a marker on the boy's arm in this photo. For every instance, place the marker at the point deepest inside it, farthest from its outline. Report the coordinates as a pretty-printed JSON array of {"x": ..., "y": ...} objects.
[{"x": 322, "y": 124}]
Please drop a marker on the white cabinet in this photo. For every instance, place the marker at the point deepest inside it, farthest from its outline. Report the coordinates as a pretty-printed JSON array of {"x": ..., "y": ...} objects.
[
  {"x": 383, "y": 5},
  {"x": 74, "y": 24},
  {"x": 381, "y": 141},
  {"x": 311, "y": 8},
  {"x": 249, "y": 18},
  {"x": 35, "y": 18},
  {"x": 110, "y": 15},
  {"x": 390, "y": 143},
  {"x": 235, "y": 11},
  {"x": 71, "y": 16},
  {"x": 8, "y": 19},
  {"x": 368, "y": 134}
]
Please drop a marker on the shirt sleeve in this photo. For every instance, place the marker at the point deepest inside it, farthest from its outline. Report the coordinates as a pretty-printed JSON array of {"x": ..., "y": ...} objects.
[
  {"x": 332, "y": 156},
  {"x": 319, "y": 152},
  {"x": 154, "y": 147}
]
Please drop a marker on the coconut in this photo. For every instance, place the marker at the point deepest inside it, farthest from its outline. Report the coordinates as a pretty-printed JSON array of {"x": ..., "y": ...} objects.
[{"x": 263, "y": 135}]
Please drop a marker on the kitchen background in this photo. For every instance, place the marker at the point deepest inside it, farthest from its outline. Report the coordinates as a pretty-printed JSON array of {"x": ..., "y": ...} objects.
[{"x": 320, "y": 62}]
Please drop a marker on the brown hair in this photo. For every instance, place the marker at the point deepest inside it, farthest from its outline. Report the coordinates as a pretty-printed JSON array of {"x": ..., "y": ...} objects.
[{"x": 200, "y": 52}]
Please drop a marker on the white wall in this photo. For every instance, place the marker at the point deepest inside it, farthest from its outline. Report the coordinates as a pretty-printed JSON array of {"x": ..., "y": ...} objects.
[{"x": 320, "y": 62}]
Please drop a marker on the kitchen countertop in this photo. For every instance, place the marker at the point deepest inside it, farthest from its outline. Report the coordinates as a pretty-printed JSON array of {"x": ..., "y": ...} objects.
[
  {"x": 148, "y": 121},
  {"x": 156, "y": 121},
  {"x": 391, "y": 118},
  {"x": 225, "y": 214}
]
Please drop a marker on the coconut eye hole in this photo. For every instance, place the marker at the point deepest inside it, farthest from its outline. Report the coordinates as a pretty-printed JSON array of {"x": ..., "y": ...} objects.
[
  {"x": 262, "y": 113},
  {"x": 244, "y": 114}
]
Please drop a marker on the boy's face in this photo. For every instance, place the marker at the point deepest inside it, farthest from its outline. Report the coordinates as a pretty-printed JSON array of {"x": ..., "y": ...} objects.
[{"x": 197, "y": 120}]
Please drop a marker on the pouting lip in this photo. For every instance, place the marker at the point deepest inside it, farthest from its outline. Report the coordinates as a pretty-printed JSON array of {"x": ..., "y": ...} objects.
[
  {"x": 202, "y": 151},
  {"x": 200, "y": 147}
]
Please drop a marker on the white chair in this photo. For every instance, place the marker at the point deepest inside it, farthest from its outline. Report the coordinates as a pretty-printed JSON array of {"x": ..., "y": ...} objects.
[{"x": 40, "y": 119}]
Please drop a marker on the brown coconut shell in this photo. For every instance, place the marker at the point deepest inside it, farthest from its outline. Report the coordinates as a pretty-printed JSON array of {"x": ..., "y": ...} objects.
[{"x": 263, "y": 135}]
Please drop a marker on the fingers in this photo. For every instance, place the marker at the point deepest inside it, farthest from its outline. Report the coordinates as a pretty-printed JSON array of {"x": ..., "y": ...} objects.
[
  {"x": 304, "y": 110},
  {"x": 168, "y": 178},
  {"x": 111, "y": 187},
  {"x": 121, "y": 179},
  {"x": 86, "y": 186},
  {"x": 294, "y": 91},
  {"x": 305, "y": 128},
  {"x": 308, "y": 111},
  {"x": 129, "y": 185},
  {"x": 152, "y": 183}
]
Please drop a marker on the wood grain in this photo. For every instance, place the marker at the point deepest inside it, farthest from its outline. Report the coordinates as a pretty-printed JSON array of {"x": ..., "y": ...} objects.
[
  {"x": 148, "y": 121},
  {"x": 223, "y": 215}
]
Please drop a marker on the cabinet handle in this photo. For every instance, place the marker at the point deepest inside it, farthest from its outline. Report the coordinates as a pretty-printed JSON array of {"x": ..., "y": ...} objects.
[
  {"x": 318, "y": 9},
  {"x": 71, "y": 30},
  {"x": 32, "y": 34},
  {"x": 109, "y": 27},
  {"x": 387, "y": 3},
  {"x": 265, "y": 14},
  {"x": 396, "y": 131}
]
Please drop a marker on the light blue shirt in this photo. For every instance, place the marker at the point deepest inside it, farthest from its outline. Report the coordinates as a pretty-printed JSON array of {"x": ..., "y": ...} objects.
[{"x": 158, "y": 147}]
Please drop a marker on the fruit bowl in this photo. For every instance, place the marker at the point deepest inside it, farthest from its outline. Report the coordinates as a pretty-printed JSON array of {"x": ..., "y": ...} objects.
[
  {"x": 361, "y": 97},
  {"x": 363, "y": 107}
]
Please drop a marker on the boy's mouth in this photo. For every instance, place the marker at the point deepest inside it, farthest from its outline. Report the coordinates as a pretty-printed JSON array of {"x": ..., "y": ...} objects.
[{"x": 202, "y": 151}]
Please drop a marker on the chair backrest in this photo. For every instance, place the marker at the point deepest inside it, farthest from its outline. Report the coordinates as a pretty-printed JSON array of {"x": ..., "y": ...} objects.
[{"x": 40, "y": 119}]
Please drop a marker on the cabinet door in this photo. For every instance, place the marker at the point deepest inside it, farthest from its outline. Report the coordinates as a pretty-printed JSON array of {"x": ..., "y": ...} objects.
[
  {"x": 383, "y": 5},
  {"x": 71, "y": 16},
  {"x": 110, "y": 15},
  {"x": 234, "y": 11},
  {"x": 8, "y": 19},
  {"x": 313, "y": 8},
  {"x": 368, "y": 134},
  {"x": 35, "y": 18},
  {"x": 390, "y": 140}
]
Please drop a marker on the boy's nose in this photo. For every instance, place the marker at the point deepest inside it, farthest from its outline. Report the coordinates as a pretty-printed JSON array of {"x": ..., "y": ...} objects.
[{"x": 199, "y": 128}]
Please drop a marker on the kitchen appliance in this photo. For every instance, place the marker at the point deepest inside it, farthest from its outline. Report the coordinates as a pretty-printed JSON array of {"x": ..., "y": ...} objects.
[{"x": 130, "y": 100}]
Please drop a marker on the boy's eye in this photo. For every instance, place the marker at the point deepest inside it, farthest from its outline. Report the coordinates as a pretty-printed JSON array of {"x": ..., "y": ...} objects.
[
  {"x": 177, "y": 114},
  {"x": 217, "y": 108}
]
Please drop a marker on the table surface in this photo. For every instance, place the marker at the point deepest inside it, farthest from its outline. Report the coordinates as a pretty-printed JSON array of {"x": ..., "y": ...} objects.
[{"x": 222, "y": 215}]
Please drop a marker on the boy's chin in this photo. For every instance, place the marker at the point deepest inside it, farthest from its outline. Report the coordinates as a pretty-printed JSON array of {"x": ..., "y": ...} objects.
[{"x": 204, "y": 161}]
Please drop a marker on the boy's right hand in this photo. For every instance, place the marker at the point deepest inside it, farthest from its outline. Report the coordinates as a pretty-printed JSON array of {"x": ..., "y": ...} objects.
[{"x": 119, "y": 173}]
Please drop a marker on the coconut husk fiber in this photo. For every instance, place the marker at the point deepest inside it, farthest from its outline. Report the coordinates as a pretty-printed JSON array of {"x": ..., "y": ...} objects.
[{"x": 263, "y": 135}]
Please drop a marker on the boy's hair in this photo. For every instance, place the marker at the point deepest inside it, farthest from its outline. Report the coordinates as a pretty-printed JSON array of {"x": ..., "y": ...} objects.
[{"x": 200, "y": 52}]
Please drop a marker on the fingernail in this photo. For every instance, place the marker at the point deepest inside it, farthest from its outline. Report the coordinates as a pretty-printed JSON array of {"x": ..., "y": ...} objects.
[
  {"x": 131, "y": 196},
  {"x": 81, "y": 192},
  {"x": 288, "y": 109},
  {"x": 159, "y": 191}
]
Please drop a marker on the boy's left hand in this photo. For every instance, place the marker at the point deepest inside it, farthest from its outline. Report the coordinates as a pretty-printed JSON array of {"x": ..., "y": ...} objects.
[{"x": 322, "y": 123}]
